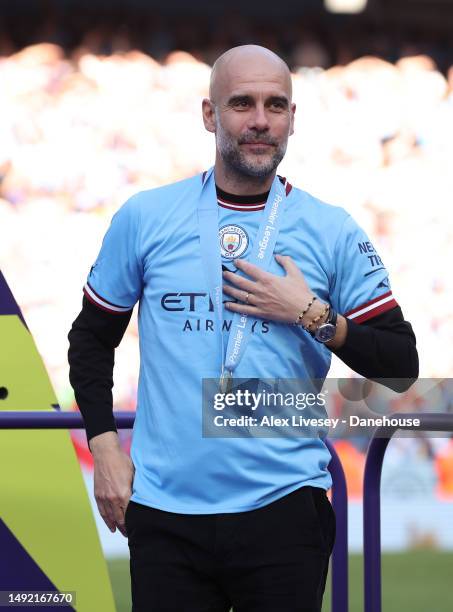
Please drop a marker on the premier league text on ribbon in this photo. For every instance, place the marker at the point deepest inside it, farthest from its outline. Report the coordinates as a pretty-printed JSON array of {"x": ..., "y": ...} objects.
[
  {"x": 269, "y": 227},
  {"x": 240, "y": 322}
]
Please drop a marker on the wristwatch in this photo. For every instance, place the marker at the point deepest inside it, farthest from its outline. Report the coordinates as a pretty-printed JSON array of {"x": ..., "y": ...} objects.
[{"x": 327, "y": 330}]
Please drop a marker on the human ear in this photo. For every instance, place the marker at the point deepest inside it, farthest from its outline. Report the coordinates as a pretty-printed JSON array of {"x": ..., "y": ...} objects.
[
  {"x": 209, "y": 119},
  {"x": 293, "y": 112}
]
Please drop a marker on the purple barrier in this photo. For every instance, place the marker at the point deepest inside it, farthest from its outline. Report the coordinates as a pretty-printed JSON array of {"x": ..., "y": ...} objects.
[
  {"x": 55, "y": 420},
  {"x": 125, "y": 420},
  {"x": 339, "y": 565},
  {"x": 372, "y": 499}
]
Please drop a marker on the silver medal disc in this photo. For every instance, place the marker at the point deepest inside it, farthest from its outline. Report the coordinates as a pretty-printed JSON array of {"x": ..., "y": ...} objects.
[{"x": 226, "y": 381}]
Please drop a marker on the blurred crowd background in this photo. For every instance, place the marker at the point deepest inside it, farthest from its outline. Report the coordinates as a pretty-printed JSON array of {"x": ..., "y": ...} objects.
[
  {"x": 99, "y": 101},
  {"x": 302, "y": 31}
]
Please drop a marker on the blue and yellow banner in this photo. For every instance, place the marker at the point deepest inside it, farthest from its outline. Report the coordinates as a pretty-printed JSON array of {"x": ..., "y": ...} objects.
[{"x": 48, "y": 537}]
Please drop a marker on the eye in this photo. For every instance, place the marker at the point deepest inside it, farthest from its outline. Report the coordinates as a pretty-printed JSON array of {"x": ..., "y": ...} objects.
[
  {"x": 241, "y": 104},
  {"x": 278, "y": 105}
]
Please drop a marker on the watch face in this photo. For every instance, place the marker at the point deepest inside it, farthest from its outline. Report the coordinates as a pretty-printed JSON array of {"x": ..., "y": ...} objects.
[{"x": 325, "y": 332}]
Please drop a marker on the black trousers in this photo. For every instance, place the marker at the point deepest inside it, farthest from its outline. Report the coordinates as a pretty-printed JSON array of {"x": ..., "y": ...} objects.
[{"x": 273, "y": 559}]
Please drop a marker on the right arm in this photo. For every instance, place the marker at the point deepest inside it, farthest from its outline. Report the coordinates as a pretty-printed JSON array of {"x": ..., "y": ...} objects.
[
  {"x": 92, "y": 341},
  {"x": 113, "y": 287}
]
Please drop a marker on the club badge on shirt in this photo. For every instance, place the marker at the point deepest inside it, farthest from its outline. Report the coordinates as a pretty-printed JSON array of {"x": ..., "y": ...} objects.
[{"x": 233, "y": 241}]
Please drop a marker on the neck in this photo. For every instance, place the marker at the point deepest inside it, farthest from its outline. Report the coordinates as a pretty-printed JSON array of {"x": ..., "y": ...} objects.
[{"x": 239, "y": 184}]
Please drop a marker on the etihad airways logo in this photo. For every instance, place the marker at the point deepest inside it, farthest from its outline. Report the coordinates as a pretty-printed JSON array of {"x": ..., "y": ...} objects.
[
  {"x": 179, "y": 302},
  {"x": 198, "y": 301}
]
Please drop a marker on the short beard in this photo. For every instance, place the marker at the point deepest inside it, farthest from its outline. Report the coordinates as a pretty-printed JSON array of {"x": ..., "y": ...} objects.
[{"x": 236, "y": 161}]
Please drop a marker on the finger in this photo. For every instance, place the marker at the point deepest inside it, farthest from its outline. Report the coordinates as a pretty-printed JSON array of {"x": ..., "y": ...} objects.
[
  {"x": 250, "y": 269},
  {"x": 111, "y": 515},
  {"x": 119, "y": 512},
  {"x": 288, "y": 264},
  {"x": 123, "y": 529},
  {"x": 239, "y": 294},
  {"x": 106, "y": 515},
  {"x": 239, "y": 281},
  {"x": 245, "y": 309}
]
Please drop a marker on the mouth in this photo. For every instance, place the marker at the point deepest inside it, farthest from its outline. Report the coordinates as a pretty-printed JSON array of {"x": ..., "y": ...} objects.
[{"x": 257, "y": 145}]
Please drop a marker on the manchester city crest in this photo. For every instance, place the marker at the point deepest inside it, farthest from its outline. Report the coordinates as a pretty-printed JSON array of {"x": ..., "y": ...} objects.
[{"x": 233, "y": 241}]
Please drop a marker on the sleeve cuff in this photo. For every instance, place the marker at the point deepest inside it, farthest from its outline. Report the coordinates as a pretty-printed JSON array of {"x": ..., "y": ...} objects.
[{"x": 370, "y": 309}]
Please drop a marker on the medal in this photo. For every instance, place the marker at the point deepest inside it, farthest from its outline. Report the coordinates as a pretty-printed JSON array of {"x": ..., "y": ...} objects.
[{"x": 226, "y": 381}]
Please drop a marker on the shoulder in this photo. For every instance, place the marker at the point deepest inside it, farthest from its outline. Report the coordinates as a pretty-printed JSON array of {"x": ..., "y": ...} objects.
[
  {"x": 165, "y": 195},
  {"x": 308, "y": 205}
]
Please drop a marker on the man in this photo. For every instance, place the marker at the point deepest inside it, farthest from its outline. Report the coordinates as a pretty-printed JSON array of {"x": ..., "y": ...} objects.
[{"x": 220, "y": 522}]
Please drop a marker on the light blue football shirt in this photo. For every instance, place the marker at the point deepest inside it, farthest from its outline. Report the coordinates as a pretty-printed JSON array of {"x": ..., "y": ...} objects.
[{"x": 151, "y": 254}]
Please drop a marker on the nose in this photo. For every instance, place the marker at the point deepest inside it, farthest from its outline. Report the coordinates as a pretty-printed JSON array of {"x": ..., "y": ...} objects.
[{"x": 258, "y": 118}]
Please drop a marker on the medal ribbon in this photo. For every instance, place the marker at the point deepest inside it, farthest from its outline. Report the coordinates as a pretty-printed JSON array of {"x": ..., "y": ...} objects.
[{"x": 261, "y": 254}]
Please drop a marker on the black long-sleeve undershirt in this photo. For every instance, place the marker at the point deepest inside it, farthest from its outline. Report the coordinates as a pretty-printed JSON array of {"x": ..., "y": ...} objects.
[
  {"x": 93, "y": 338},
  {"x": 383, "y": 347}
]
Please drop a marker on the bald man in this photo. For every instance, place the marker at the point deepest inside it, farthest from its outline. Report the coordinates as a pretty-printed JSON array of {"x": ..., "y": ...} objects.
[
  {"x": 249, "y": 146},
  {"x": 218, "y": 517}
]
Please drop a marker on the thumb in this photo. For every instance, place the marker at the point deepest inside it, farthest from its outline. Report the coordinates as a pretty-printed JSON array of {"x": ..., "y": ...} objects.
[{"x": 288, "y": 264}]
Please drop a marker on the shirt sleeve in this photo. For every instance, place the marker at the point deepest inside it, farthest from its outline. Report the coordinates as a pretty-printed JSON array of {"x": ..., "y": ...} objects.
[
  {"x": 361, "y": 287},
  {"x": 93, "y": 338},
  {"x": 114, "y": 283},
  {"x": 383, "y": 348}
]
